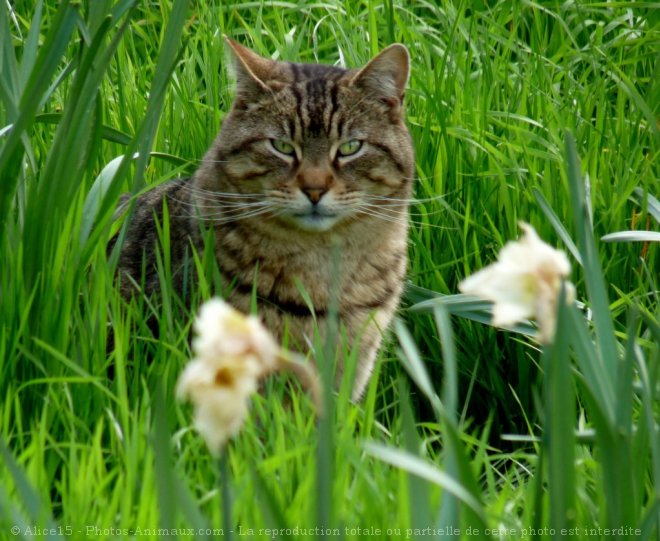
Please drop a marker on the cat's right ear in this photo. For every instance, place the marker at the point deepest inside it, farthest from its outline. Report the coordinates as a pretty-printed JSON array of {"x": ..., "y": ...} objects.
[{"x": 252, "y": 71}]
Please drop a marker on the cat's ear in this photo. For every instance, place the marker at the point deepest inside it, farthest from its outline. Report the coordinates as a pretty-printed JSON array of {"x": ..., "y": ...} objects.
[
  {"x": 252, "y": 71},
  {"x": 386, "y": 75}
]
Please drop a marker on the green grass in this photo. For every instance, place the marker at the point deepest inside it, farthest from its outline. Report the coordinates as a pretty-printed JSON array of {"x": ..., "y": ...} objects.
[{"x": 516, "y": 108}]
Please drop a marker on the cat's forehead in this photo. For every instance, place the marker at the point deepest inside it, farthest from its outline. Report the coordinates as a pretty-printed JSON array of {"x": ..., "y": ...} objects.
[
  {"x": 302, "y": 73},
  {"x": 314, "y": 95}
]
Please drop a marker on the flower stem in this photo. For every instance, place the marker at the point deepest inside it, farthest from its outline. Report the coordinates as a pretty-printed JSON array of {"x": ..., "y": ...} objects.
[{"x": 223, "y": 468}]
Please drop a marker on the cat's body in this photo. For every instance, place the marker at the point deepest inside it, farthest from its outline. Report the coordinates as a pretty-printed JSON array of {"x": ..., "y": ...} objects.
[{"x": 308, "y": 157}]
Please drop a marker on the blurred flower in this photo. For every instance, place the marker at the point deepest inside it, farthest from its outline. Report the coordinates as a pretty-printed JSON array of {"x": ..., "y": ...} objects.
[
  {"x": 232, "y": 352},
  {"x": 524, "y": 283},
  {"x": 222, "y": 330}
]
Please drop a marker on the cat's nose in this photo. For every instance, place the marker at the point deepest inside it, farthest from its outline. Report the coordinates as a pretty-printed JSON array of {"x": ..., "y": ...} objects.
[
  {"x": 313, "y": 194},
  {"x": 314, "y": 182}
]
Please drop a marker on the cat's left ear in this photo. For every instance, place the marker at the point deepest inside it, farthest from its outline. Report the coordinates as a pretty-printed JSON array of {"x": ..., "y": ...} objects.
[{"x": 386, "y": 75}]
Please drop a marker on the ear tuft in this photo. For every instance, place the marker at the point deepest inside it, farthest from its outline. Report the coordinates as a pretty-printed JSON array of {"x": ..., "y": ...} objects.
[{"x": 386, "y": 75}]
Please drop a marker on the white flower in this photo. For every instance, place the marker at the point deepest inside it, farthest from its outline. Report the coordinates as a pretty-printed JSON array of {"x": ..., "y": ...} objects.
[
  {"x": 222, "y": 330},
  {"x": 232, "y": 352},
  {"x": 524, "y": 283}
]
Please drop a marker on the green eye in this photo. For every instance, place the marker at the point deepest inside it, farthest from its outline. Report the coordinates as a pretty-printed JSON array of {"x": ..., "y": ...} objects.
[
  {"x": 283, "y": 147},
  {"x": 349, "y": 147}
]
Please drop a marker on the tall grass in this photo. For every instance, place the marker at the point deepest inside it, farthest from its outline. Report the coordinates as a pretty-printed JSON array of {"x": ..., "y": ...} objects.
[{"x": 543, "y": 112}]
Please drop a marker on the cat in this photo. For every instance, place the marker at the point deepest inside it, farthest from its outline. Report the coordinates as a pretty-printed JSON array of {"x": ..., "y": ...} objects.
[{"x": 309, "y": 155}]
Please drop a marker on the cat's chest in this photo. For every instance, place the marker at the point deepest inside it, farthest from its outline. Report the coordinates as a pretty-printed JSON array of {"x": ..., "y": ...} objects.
[{"x": 291, "y": 274}]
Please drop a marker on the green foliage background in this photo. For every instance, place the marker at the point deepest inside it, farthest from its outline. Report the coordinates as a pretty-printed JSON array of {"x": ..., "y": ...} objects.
[{"x": 517, "y": 440}]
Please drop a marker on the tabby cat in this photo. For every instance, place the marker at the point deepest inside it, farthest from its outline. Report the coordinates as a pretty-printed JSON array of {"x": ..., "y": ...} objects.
[{"x": 309, "y": 155}]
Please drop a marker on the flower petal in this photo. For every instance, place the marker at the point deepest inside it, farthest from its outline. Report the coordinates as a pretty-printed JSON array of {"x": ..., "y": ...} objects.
[{"x": 523, "y": 283}]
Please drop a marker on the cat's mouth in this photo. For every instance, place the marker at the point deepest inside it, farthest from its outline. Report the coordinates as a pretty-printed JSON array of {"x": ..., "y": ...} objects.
[{"x": 314, "y": 219}]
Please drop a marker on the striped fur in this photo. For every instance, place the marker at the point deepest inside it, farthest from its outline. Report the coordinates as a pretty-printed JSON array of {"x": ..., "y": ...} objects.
[{"x": 279, "y": 188}]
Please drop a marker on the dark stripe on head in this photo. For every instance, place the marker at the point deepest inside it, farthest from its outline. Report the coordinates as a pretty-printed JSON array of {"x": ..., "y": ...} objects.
[
  {"x": 340, "y": 123},
  {"x": 334, "y": 92},
  {"x": 295, "y": 69},
  {"x": 315, "y": 90},
  {"x": 299, "y": 111},
  {"x": 292, "y": 127},
  {"x": 333, "y": 105}
]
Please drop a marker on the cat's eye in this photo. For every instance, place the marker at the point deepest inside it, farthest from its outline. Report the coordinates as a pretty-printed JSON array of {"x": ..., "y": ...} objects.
[
  {"x": 349, "y": 147},
  {"x": 283, "y": 146}
]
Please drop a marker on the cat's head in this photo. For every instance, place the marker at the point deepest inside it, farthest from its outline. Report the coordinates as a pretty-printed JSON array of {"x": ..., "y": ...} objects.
[{"x": 311, "y": 146}]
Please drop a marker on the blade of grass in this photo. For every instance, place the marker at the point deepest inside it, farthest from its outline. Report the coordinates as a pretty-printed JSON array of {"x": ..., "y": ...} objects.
[
  {"x": 33, "y": 505},
  {"x": 418, "y": 500},
  {"x": 632, "y": 236},
  {"x": 415, "y": 465},
  {"x": 449, "y": 508},
  {"x": 593, "y": 274},
  {"x": 557, "y": 225},
  {"x": 558, "y": 434},
  {"x": 652, "y": 203},
  {"x": 326, "y": 441},
  {"x": 170, "y": 48},
  {"x": 67, "y": 161},
  {"x": 45, "y": 66},
  {"x": 456, "y": 463},
  {"x": 163, "y": 467}
]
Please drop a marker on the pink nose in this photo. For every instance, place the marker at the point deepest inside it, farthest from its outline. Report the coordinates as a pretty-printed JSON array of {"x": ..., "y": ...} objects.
[{"x": 314, "y": 182}]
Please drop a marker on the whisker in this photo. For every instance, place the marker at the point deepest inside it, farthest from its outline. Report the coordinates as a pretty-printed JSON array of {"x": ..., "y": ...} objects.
[
  {"x": 196, "y": 189},
  {"x": 221, "y": 204},
  {"x": 224, "y": 218},
  {"x": 207, "y": 160},
  {"x": 220, "y": 195},
  {"x": 391, "y": 208},
  {"x": 231, "y": 212},
  {"x": 412, "y": 200},
  {"x": 383, "y": 217},
  {"x": 399, "y": 220}
]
